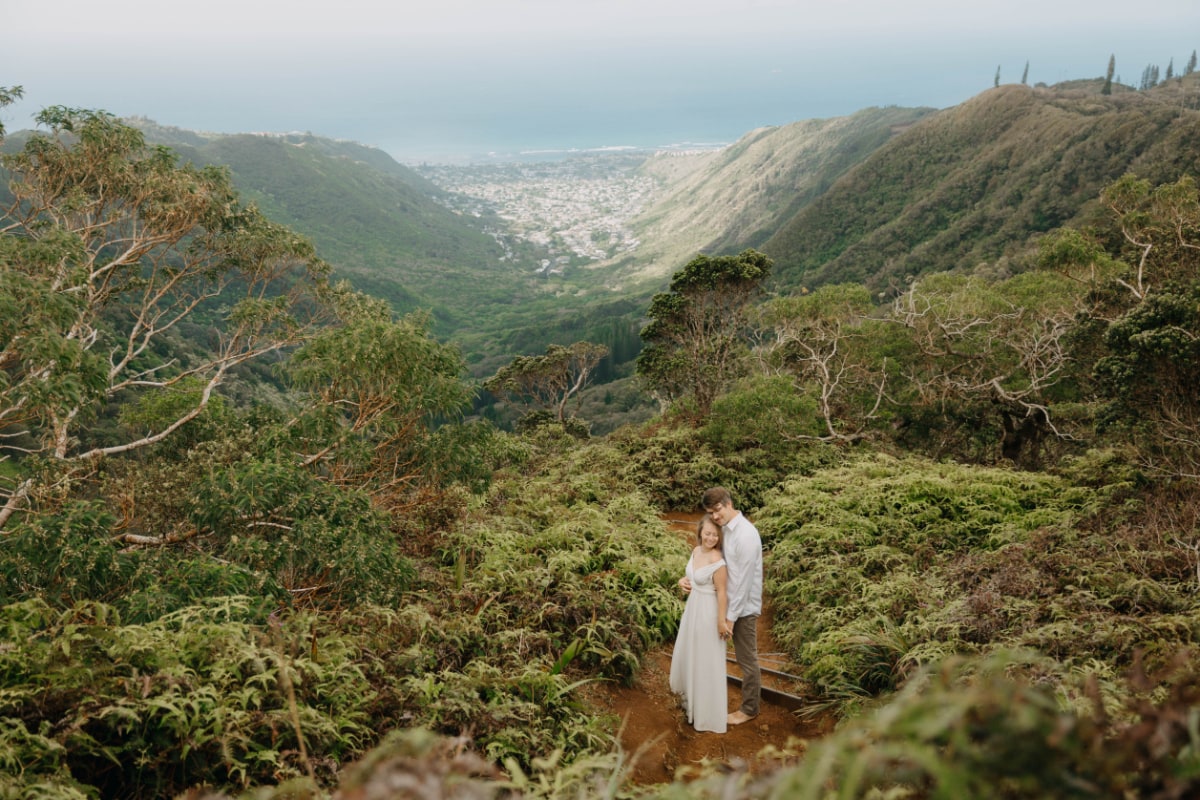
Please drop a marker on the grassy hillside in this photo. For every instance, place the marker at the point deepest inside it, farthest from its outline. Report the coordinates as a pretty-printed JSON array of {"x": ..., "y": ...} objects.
[
  {"x": 377, "y": 221},
  {"x": 382, "y": 226},
  {"x": 717, "y": 201},
  {"x": 971, "y": 183},
  {"x": 738, "y": 197}
]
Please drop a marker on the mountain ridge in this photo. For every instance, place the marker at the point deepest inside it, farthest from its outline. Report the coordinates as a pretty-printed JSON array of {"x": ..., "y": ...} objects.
[
  {"x": 379, "y": 222},
  {"x": 975, "y": 182},
  {"x": 739, "y": 195}
]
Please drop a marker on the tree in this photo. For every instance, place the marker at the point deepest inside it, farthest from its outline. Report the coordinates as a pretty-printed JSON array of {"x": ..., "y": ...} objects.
[
  {"x": 1149, "y": 324},
  {"x": 996, "y": 81},
  {"x": 124, "y": 274},
  {"x": 991, "y": 356},
  {"x": 1170, "y": 69},
  {"x": 693, "y": 342},
  {"x": 551, "y": 380},
  {"x": 1149, "y": 77},
  {"x": 1108, "y": 76},
  {"x": 9, "y": 95},
  {"x": 376, "y": 388},
  {"x": 1159, "y": 227},
  {"x": 1191, "y": 64},
  {"x": 1025, "y": 74},
  {"x": 819, "y": 341},
  {"x": 1150, "y": 376}
]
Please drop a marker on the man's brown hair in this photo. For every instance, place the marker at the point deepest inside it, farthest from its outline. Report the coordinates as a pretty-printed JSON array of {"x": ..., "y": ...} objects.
[{"x": 715, "y": 496}]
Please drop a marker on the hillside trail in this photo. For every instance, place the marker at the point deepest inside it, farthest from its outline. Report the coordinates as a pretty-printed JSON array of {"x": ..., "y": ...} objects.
[{"x": 655, "y": 732}]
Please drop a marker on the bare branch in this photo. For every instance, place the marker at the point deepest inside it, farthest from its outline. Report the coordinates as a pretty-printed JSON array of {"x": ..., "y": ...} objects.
[{"x": 14, "y": 501}]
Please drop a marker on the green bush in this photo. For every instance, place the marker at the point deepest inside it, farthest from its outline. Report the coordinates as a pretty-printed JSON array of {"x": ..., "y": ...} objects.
[
  {"x": 65, "y": 558},
  {"x": 71, "y": 558},
  {"x": 602, "y": 576},
  {"x": 669, "y": 463},
  {"x": 200, "y": 696}
]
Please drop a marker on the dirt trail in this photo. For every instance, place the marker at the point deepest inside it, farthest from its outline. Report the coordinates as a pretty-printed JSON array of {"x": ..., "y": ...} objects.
[{"x": 656, "y": 731}]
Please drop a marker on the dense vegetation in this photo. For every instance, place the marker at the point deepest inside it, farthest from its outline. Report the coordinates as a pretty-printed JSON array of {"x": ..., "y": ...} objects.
[{"x": 978, "y": 497}]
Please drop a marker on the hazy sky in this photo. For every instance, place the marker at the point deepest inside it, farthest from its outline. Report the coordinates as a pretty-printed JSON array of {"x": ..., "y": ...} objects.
[{"x": 441, "y": 78}]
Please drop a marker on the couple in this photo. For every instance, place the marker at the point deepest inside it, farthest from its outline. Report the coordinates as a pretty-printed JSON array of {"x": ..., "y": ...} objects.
[{"x": 724, "y": 587}]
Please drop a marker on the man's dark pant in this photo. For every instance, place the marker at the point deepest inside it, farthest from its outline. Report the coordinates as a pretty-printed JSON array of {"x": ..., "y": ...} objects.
[{"x": 745, "y": 647}]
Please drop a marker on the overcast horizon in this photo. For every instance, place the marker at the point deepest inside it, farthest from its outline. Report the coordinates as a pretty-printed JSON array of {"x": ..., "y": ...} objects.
[{"x": 469, "y": 77}]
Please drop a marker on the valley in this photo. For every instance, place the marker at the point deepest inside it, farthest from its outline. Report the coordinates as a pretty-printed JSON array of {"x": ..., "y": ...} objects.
[{"x": 580, "y": 210}]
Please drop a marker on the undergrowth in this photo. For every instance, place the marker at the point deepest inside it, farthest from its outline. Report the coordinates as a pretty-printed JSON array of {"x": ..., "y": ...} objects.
[{"x": 886, "y": 566}]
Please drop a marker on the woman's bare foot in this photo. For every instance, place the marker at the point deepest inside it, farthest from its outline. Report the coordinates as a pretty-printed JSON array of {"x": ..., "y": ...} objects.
[{"x": 737, "y": 718}]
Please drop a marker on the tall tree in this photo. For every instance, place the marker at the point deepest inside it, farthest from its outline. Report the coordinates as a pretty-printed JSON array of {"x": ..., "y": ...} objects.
[
  {"x": 694, "y": 339},
  {"x": 990, "y": 356},
  {"x": 996, "y": 81},
  {"x": 1108, "y": 76},
  {"x": 1149, "y": 77},
  {"x": 376, "y": 388},
  {"x": 124, "y": 275},
  {"x": 1025, "y": 74},
  {"x": 549, "y": 380},
  {"x": 1191, "y": 64}
]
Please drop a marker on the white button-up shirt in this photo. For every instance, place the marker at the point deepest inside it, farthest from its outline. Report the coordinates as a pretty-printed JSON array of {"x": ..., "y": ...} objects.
[{"x": 743, "y": 560}]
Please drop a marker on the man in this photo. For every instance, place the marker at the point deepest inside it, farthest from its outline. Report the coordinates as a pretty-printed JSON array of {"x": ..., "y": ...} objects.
[{"x": 743, "y": 561}]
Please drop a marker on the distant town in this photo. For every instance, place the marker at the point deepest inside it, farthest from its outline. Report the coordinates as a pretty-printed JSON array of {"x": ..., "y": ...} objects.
[{"x": 580, "y": 209}]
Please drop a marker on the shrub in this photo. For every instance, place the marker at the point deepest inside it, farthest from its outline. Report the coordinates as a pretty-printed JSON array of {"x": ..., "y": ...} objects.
[
  {"x": 317, "y": 540},
  {"x": 968, "y": 730},
  {"x": 200, "y": 696},
  {"x": 860, "y": 560}
]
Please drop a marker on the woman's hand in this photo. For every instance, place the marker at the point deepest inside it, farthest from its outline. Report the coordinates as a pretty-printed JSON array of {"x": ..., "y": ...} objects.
[{"x": 685, "y": 584}]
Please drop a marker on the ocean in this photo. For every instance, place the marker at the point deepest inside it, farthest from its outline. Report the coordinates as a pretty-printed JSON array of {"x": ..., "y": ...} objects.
[
  {"x": 479, "y": 130},
  {"x": 552, "y": 105}
]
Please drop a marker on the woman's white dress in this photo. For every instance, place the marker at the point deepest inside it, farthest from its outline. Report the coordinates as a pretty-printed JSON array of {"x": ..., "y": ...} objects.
[{"x": 698, "y": 662}]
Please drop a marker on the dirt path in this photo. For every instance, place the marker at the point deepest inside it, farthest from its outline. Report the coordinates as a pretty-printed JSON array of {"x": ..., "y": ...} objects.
[{"x": 655, "y": 730}]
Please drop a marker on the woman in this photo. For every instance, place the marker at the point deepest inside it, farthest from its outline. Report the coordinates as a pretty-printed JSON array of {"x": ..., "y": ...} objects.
[{"x": 698, "y": 663}]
